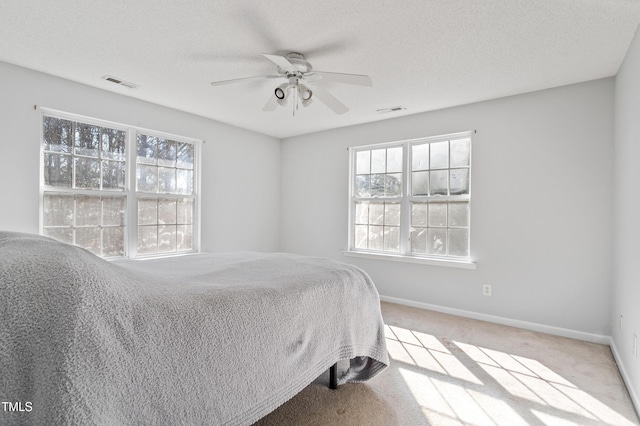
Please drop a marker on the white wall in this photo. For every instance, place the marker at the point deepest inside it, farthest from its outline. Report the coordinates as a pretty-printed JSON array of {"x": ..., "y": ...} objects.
[
  {"x": 626, "y": 253},
  {"x": 542, "y": 216},
  {"x": 240, "y": 169},
  {"x": 541, "y": 206},
  {"x": 542, "y": 180}
]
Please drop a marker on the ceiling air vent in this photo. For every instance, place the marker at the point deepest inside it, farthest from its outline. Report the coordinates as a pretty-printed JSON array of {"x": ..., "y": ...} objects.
[
  {"x": 121, "y": 82},
  {"x": 391, "y": 109}
]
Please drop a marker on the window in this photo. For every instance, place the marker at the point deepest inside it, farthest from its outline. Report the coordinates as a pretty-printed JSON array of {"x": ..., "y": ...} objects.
[
  {"x": 412, "y": 198},
  {"x": 118, "y": 191},
  {"x": 164, "y": 174}
]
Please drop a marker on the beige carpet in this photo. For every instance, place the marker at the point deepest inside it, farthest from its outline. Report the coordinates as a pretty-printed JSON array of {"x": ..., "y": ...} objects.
[{"x": 447, "y": 370}]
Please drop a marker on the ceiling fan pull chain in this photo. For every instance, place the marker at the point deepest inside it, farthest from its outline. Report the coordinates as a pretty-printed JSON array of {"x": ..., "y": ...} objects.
[{"x": 295, "y": 98}]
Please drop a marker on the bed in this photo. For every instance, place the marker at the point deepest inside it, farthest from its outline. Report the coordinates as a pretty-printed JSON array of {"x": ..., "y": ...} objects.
[{"x": 217, "y": 339}]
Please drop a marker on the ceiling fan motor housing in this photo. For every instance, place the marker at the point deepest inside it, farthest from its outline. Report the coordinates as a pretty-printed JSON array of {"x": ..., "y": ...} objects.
[{"x": 299, "y": 62}]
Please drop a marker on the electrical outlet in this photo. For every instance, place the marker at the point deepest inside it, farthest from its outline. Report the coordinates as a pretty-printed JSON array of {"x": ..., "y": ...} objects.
[
  {"x": 486, "y": 290},
  {"x": 620, "y": 323}
]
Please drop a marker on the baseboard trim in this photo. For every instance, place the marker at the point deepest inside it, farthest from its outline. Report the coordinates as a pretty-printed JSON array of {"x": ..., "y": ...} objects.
[
  {"x": 558, "y": 331},
  {"x": 623, "y": 372}
]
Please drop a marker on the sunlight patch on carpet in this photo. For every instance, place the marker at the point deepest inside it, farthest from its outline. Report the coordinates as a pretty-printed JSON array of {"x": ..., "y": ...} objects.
[{"x": 455, "y": 382}]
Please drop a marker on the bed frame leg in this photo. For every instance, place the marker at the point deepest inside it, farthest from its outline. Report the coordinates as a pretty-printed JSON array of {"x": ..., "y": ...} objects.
[{"x": 333, "y": 376}]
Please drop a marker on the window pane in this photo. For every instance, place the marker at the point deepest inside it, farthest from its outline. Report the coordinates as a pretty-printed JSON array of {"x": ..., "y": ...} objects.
[
  {"x": 147, "y": 239},
  {"x": 61, "y": 234},
  {"x": 58, "y": 210},
  {"x": 88, "y": 210},
  {"x": 376, "y": 213},
  {"x": 113, "y": 144},
  {"x": 377, "y": 185},
  {"x": 90, "y": 213},
  {"x": 376, "y": 239},
  {"x": 87, "y": 140},
  {"x": 459, "y": 214},
  {"x": 147, "y": 147},
  {"x": 361, "y": 236},
  {"x": 166, "y": 238},
  {"x": 392, "y": 214},
  {"x": 113, "y": 175},
  {"x": 87, "y": 173},
  {"x": 393, "y": 185},
  {"x": 147, "y": 211},
  {"x": 113, "y": 211},
  {"x": 89, "y": 238},
  {"x": 184, "y": 181},
  {"x": 57, "y": 170},
  {"x": 362, "y": 186},
  {"x": 419, "y": 240},
  {"x": 394, "y": 160},
  {"x": 437, "y": 214},
  {"x": 362, "y": 213},
  {"x": 167, "y": 180},
  {"x": 420, "y": 157},
  {"x": 184, "y": 237},
  {"x": 437, "y": 241},
  {"x": 147, "y": 178},
  {"x": 459, "y": 181},
  {"x": 459, "y": 242},
  {"x": 438, "y": 182},
  {"x": 460, "y": 152},
  {"x": 167, "y": 211},
  {"x": 378, "y": 157},
  {"x": 185, "y": 155},
  {"x": 185, "y": 211},
  {"x": 420, "y": 183},
  {"x": 113, "y": 241},
  {"x": 440, "y": 155},
  {"x": 419, "y": 214},
  {"x": 166, "y": 153},
  {"x": 58, "y": 134},
  {"x": 392, "y": 238},
  {"x": 363, "y": 162}
]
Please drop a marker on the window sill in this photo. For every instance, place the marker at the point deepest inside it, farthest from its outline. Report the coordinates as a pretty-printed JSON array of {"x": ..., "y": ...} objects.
[
  {"x": 413, "y": 259},
  {"x": 152, "y": 257}
]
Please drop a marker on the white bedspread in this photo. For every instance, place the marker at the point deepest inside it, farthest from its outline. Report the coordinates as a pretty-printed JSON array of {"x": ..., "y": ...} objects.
[{"x": 202, "y": 339}]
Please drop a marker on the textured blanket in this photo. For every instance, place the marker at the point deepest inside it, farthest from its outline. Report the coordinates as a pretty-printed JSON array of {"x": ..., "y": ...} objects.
[{"x": 203, "y": 339}]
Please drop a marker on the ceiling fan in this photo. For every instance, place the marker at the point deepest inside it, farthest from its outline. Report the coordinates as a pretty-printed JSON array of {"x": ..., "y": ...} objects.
[{"x": 303, "y": 84}]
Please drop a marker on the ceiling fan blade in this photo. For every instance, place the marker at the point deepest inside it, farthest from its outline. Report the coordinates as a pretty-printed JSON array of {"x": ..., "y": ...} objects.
[
  {"x": 338, "y": 77},
  {"x": 238, "y": 80},
  {"x": 281, "y": 61},
  {"x": 271, "y": 104},
  {"x": 329, "y": 100}
]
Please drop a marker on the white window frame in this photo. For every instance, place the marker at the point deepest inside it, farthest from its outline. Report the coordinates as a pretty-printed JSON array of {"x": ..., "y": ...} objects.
[
  {"x": 130, "y": 193},
  {"x": 405, "y": 200}
]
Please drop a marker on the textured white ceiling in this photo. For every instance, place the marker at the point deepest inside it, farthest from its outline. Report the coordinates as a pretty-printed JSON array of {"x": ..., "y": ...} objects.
[{"x": 421, "y": 54}]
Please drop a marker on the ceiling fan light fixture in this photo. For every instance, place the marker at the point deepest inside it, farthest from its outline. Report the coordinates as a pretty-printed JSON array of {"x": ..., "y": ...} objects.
[
  {"x": 305, "y": 93},
  {"x": 282, "y": 94},
  {"x": 279, "y": 93}
]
